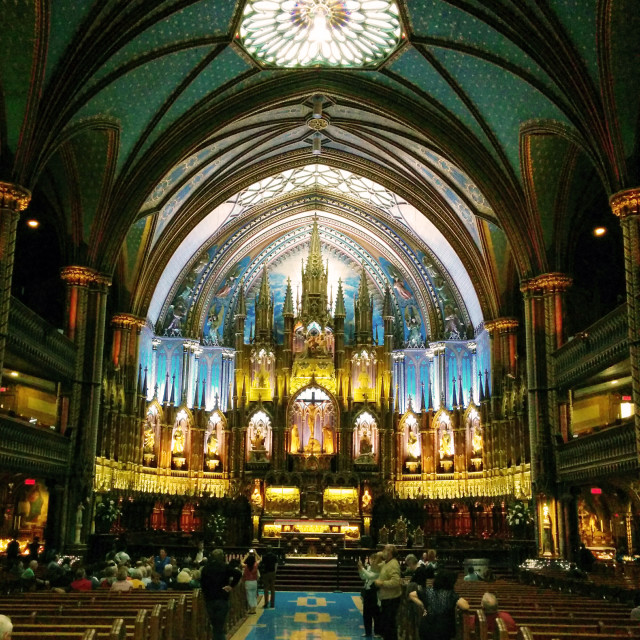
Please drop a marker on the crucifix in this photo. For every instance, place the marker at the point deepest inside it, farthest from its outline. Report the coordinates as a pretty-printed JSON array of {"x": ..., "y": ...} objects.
[{"x": 312, "y": 411}]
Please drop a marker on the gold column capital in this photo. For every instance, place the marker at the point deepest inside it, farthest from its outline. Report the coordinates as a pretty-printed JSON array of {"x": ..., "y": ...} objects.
[
  {"x": 128, "y": 320},
  {"x": 101, "y": 279},
  {"x": 502, "y": 325},
  {"x": 625, "y": 203},
  {"x": 14, "y": 197},
  {"x": 547, "y": 283},
  {"x": 78, "y": 276}
]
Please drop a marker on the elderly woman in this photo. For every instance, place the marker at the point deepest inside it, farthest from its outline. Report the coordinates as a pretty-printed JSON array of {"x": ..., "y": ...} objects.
[{"x": 121, "y": 583}]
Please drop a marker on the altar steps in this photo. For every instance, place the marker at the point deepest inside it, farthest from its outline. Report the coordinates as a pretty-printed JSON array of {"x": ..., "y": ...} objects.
[{"x": 316, "y": 574}]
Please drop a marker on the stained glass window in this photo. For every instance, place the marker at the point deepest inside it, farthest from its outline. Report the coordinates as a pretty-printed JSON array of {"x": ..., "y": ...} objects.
[{"x": 335, "y": 33}]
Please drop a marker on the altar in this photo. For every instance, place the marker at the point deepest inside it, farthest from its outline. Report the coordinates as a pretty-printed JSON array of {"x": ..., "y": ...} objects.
[{"x": 312, "y": 537}]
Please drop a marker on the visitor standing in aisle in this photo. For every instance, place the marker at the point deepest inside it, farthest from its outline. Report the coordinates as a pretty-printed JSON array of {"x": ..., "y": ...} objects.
[{"x": 389, "y": 585}]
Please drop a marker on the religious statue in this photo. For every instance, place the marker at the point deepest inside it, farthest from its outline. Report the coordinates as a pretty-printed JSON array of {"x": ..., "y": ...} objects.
[
  {"x": 476, "y": 441},
  {"x": 257, "y": 442},
  {"x": 366, "y": 500},
  {"x": 413, "y": 445},
  {"x": 178, "y": 442},
  {"x": 256, "y": 497},
  {"x": 295, "y": 439},
  {"x": 313, "y": 446},
  {"x": 366, "y": 448},
  {"x": 446, "y": 445},
  {"x": 149, "y": 442},
  {"x": 212, "y": 445},
  {"x": 327, "y": 438}
]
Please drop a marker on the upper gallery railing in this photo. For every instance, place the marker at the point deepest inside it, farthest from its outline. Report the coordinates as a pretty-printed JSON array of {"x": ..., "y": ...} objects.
[
  {"x": 32, "y": 450},
  {"x": 33, "y": 339},
  {"x": 604, "y": 343},
  {"x": 610, "y": 451}
]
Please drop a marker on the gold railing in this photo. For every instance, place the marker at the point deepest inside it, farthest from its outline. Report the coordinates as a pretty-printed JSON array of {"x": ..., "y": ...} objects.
[
  {"x": 603, "y": 344},
  {"x": 611, "y": 451},
  {"x": 515, "y": 481},
  {"x": 137, "y": 479}
]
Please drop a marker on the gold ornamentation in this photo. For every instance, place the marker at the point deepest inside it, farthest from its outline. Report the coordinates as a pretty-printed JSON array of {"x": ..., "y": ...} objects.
[
  {"x": 78, "y": 276},
  {"x": 127, "y": 321},
  {"x": 14, "y": 197},
  {"x": 102, "y": 279},
  {"x": 547, "y": 283},
  {"x": 626, "y": 203},
  {"x": 502, "y": 325},
  {"x": 317, "y": 124}
]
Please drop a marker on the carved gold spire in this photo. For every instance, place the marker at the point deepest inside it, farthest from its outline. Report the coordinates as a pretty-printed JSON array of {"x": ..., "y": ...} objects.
[{"x": 314, "y": 283}]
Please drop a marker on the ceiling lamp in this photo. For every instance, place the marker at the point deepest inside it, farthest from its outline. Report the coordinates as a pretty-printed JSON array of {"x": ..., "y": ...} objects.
[{"x": 334, "y": 33}]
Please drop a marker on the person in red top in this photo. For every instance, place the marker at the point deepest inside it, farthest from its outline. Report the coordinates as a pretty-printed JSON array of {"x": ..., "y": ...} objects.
[
  {"x": 250, "y": 575},
  {"x": 490, "y": 607},
  {"x": 81, "y": 583}
]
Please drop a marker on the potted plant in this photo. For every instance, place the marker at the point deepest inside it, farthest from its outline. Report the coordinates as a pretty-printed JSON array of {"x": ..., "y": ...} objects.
[
  {"x": 107, "y": 512},
  {"x": 519, "y": 518}
]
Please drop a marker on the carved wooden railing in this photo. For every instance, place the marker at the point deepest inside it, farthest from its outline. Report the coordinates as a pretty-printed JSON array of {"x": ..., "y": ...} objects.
[
  {"x": 601, "y": 345},
  {"x": 31, "y": 449},
  {"x": 610, "y": 451},
  {"x": 33, "y": 340}
]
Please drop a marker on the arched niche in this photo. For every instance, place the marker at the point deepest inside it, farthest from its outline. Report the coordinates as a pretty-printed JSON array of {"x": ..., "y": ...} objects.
[
  {"x": 215, "y": 441},
  {"x": 411, "y": 441},
  {"x": 445, "y": 446},
  {"x": 181, "y": 439},
  {"x": 474, "y": 438},
  {"x": 313, "y": 417},
  {"x": 365, "y": 438},
  {"x": 259, "y": 436},
  {"x": 151, "y": 434}
]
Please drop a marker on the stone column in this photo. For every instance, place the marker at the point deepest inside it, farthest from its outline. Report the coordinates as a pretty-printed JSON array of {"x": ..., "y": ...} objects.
[
  {"x": 626, "y": 206},
  {"x": 13, "y": 200},
  {"x": 544, "y": 318}
]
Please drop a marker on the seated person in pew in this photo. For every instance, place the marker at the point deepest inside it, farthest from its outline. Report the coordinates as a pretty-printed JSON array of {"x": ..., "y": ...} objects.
[
  {"x": 168, "y": 577},
  {"x": 81, "y": 583},
  {"x": 489, "y": 605},
  {"x": 122, "y": 583},
  {"x": 29, "y": 580},
  {"x": 156, "y": 583},
  {"x": 109, "y": 578},
  {"x": 471, "y": 576},
  {"x": 5, "y": 628},
  {"x": 136, "y": 579}
]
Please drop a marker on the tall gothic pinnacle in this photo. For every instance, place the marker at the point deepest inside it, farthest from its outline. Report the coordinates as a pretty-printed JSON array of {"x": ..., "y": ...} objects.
[
  {"x": 287, "y": 309},
  {"x": 340, "y": 308}
]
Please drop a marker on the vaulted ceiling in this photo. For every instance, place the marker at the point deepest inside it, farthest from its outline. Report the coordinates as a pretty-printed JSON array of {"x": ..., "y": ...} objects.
[{"x": 505, "y": 124}]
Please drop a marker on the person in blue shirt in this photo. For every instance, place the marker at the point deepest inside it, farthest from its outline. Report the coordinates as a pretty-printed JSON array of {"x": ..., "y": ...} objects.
[
  {"x": 156, "y": 584},
  {"x": 471, "y": 576},
  {"x": 161, "y": 561}
]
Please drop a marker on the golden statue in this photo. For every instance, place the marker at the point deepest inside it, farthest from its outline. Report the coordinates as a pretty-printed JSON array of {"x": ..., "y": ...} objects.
[
  {"x": 149, "y": 442},
  {"x": 413, "y": 445},
  {"x": 178, "y": 442},
  {"x": 327, "y": 438},
  {"x": 311, "y": 419},
  {"x": 212, "y": 445},
  {"x": 476, "y": 441},
  {"x": 366, "y": 500},
  {"x": 365, "y": 443},
  {"x": 295, "y": 439},
  {"x": 257, "y": 442},
  {"x": 446, "y": 445}
]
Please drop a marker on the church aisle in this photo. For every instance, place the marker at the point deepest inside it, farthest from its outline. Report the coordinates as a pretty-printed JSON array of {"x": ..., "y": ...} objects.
[{"x": 306, "y": 616}]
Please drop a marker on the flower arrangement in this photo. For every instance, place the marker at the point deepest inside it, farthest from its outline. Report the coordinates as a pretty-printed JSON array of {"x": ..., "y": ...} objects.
[
  {"x": 108, "y": 510},
  {"x": 519, "y": 515}
]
